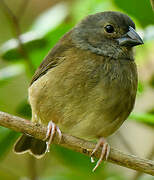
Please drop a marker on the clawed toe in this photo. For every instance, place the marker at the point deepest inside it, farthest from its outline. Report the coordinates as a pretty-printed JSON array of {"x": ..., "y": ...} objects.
[
  {"x": 104, "y": 153},
  {"x": 51, "y": 131}
]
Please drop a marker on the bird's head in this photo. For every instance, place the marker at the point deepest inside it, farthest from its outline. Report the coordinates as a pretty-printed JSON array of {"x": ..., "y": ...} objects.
[{"x": 107, "y": 33}]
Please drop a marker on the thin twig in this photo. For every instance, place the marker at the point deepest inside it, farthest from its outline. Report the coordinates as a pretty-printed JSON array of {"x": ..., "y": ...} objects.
[
  {"x": 85, "y": 147},
  {"x": 16, "y": 31}
]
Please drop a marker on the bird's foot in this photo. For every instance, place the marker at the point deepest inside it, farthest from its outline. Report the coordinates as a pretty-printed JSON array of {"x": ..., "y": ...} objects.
[
  {"x": 104, "y": 153},
  {"x": 52, "y": 129}
]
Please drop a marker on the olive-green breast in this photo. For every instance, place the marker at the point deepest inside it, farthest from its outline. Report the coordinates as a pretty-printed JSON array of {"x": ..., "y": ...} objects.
[{"x": 88, "y": 96}]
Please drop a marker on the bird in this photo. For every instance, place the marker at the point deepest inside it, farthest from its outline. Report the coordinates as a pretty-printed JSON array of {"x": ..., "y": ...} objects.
[{"x": 86, "y": 86}]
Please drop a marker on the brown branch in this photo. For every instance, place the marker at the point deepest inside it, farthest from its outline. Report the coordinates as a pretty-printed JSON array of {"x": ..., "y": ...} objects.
[{"x": 38, "y": 131}]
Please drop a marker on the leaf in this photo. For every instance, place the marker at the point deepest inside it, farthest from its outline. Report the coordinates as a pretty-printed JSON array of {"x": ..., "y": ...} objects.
[
  {"x": 140, "y": 88},
  {"x": 64, "y": 176},
  {"x": 77, "y": 162},
  {"x": 7, "y": 139},
  {"x": 34, "y": 39},
  {"x": 141, "y": 10},
  {"x": 51, "y": 38},
  {"x": 31, "y": 41},
  {"x": 149, "y": 33},
  {"x": 74, "y": 159},
  {"x": 86, "y": 7},
  {"x": 143, "y": 117},
  {"x": 50, "y": 19},
  {"x": 24, "y": 109},
  {"x": 10, "y": 72}
]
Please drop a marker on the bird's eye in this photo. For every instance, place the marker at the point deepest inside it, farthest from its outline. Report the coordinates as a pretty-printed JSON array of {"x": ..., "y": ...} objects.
[{"x": 109, "y": 28}]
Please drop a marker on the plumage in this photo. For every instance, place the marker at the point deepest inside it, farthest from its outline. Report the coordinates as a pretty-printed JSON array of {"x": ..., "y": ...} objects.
[
  {"x": 87, "y": 83},
  {"x": 83, "y": 92}
]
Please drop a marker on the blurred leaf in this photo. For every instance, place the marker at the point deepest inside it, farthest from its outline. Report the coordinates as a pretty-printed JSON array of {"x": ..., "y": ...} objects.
[
  {"x": 7, "y": 139},
  {"x": 151, "y": 81},
  {"x": 151, "y": 111},
  {"x": 31, "y": 41},
  {"x": 34, "y": 39},
  {"x": 37, "y": 49},
  {"x": 74, "y": 159},
  {"x": 54, "y": 35},
  {"x": 50, "y": 19},
  {"x": 141, "y": 10},
  {"x": 24, "y": 109},
  {"x": 76, "y": 176},
  {"x": 78, "y": 162},
  {"x": 86, "y": 7},
  {"x": 146, "y": 177},
  {"x": 143, "y": 117},
  {"x": 65, "y": 176},
  {"x": 140, "y": 88},
  {"x": 115, "y": 176},
  {"x": 51, "y": 38},
  {"x": 149, "y": 33},
  {"x": 6, "y": 174},
  {"x": 4, "y": 132},
  {"x": 10, "y": 72}
]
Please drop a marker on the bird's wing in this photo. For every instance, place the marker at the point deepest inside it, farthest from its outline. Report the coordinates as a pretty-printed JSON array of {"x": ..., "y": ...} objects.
[{"x": 50, "y": 61}]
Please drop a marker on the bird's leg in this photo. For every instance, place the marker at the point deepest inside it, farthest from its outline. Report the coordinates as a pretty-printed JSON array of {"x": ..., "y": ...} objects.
[
  {"x": 104, "y": 153},
  {"x": 51, "y": 131}
]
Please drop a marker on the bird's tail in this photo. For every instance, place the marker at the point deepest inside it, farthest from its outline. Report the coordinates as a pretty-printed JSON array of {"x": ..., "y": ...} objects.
[{"x": 29, "y": 144}]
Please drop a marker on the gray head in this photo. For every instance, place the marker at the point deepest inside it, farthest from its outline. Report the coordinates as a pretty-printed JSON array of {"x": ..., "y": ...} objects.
[{"x": 107, "y": 33}]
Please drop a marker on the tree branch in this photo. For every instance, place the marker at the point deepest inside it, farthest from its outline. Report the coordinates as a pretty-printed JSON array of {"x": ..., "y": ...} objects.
[{"x": 38, "y": 131}]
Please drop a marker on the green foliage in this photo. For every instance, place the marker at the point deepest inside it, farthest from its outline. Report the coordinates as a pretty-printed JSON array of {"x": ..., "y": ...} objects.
[
  {"x": 43, "y": 34},
  {"x": 31, "y": 42},
  {"x": 80, "y": 166},
  {"x": 143, "y": 117},
  {"x": 141, "y": 10},
  {"x": 24, "y": 109},
  {"x": 7, "y": 139},
  {"x": 10, "y": 72},
  {"x": 86, "y": 7},
  {"x": 77, "y": 161},
  {"x": 140, "y": 87},
  {"x": 45, "y": 22},
  {"x": 51, "y": 38}
]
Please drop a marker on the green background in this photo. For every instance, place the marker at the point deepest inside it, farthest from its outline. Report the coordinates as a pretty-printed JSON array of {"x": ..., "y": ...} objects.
[{"x": 41, "y": 24}]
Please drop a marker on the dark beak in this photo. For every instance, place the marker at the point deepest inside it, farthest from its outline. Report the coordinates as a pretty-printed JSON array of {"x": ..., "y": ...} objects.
[{"x": 130, "y": 39}]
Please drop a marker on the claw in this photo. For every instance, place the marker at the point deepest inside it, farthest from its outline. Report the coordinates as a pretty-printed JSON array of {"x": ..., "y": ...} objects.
[
  {"x": 59, "y": 133},
  {"x": 92, "y": 160},
  {"x": 51, "y": 130},
  {"x": 104, "y": 153}
]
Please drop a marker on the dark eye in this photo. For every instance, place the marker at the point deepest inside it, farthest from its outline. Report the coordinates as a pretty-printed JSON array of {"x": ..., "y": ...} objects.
[{"x": 109, "y": 28}]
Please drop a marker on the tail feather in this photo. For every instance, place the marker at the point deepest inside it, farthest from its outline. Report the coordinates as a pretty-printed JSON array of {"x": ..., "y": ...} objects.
[{"x": 34, "y": 146}]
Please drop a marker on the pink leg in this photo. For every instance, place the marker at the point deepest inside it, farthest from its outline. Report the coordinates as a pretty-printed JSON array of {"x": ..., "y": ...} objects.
[
  {"x": 52, "y": 129},
  {"x": 104, "y": 153}
]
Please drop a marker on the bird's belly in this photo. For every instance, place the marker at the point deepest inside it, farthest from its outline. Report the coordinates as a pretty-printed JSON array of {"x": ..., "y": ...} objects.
[
  {"x": 98, "y": 118},
  {"x": 83, "y": 107}
]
